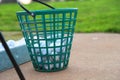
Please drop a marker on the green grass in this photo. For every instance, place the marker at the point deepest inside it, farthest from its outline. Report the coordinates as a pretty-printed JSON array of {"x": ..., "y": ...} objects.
[{"x": 93, "y": 15}]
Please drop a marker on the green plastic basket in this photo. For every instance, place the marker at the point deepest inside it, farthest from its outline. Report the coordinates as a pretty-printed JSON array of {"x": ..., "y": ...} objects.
[{"x": 48, "y": 37}]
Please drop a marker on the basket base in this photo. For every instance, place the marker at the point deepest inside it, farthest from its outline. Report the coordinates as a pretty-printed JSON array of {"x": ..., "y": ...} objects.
[{"x": 52, "y": 70}]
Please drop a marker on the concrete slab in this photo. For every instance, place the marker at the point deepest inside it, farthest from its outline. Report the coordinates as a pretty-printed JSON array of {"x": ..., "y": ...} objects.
[{"x": 94, "y": 56}]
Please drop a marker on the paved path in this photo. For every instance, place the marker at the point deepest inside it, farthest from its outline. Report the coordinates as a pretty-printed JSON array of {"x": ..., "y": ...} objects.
[{"x": 94, "y": 56}]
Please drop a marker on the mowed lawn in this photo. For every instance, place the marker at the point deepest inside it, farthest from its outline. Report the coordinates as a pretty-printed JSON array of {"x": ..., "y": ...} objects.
[{"x": 93, "y": 15}]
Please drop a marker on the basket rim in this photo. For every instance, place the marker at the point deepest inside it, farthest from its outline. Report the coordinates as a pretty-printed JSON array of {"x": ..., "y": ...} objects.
[{"x": 48, "y": 11}]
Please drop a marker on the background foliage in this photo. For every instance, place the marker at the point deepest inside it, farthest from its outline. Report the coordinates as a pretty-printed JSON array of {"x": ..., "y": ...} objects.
[{"x": 93, "y": 15}]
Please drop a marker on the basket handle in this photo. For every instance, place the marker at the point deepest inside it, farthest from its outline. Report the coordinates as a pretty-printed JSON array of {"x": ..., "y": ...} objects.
[
  {"x": 32, "y": 14},
  {"x": 18, "y": 70}
]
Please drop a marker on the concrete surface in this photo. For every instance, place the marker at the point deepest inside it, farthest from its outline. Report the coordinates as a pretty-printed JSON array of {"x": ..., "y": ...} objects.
[{"x": 94, "y": 56}]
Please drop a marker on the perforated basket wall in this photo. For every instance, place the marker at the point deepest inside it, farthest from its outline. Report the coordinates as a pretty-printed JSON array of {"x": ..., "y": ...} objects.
[{"x": 49, "y": 37}]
